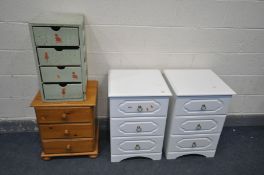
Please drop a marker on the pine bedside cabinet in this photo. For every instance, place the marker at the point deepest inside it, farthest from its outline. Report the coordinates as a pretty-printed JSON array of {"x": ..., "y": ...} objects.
[
  {"x": 68, "y": 128},
  {"x": 197, "y": 112},
  {"x": 138, "y": 111}
]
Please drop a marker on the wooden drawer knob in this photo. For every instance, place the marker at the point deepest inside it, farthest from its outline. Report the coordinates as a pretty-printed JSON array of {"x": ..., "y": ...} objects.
[
  {"x": 66, "y": 132},
  {"x": 68, "y": 147},
  {"x": 64, "y": 116}
]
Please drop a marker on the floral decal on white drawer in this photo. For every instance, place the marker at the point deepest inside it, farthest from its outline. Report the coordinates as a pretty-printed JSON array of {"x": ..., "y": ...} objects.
[{"x": 139, "y": 107}]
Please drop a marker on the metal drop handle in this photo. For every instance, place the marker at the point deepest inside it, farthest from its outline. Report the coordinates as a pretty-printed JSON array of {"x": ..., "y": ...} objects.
[
  {"x": 137, "y": 147},
  {"x": 203, "y": 107},
  {"x": 139, "y": 129},
  {"x": 194, "y": 145},
  {"x": 198, "y": 127},
  {"x": 139, "y": 109}
]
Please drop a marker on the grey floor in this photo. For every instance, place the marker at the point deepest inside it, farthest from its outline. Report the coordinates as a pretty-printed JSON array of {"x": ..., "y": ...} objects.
[{"x": 240, "y": 151}]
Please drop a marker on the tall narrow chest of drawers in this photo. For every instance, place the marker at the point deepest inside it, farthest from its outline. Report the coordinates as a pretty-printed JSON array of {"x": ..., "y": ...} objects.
[
  {"x": 138, "y": 111},
  {"x": 197, "y": 112},
  {"x": 68, "y": 128},
  {"x": 59, "y": 49}
]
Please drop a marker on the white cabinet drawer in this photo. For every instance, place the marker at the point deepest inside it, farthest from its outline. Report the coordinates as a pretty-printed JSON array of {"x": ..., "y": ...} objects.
[
  {"x": 138, "y": 107},
  {"x": 193, "y": 142},
  {"x": 136, "y": 145},
  {"x": 197, "y": 124},
  {"x": 137, "y": 126},
  {"x": 61, "y": 74},
  {"x": 202, "y": 105},
  {"x": 56, "y": 36},
  {"x": 58, "y": 92},
  {"x": 59, "y": 57}
]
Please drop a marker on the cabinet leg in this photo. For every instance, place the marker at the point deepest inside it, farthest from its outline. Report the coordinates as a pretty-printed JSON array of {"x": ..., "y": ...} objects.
[
  {"x": 93, "y": 156},
  {"x": 45, "y": 158}
]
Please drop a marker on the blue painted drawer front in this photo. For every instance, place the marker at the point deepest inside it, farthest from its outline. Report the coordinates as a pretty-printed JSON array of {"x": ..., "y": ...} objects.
[
  {"x": 48, "y": 36},
  {"x": 58, "y": 92},
  {"x": 61, "y": 74},
  {"x": 55, "y": 57}
]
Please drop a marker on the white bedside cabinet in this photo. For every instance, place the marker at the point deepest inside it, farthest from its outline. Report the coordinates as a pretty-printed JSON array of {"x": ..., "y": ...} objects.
[
  {"x": 197, "y": 112},
  {"x": 138, "y": 112}
]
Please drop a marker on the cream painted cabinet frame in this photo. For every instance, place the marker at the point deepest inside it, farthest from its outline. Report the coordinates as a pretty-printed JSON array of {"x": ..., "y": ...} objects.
[{"x": 58, "y": 42}]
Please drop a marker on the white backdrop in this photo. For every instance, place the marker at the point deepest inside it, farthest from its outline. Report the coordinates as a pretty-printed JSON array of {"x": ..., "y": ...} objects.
[{"x": 226, "y": 36}]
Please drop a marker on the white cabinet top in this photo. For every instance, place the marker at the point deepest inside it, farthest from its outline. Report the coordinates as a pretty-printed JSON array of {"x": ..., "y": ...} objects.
[
  {"x": 191, "y": 82},
  {"x": 136, "y": 82},
  {"x": 57, "y": 19}
]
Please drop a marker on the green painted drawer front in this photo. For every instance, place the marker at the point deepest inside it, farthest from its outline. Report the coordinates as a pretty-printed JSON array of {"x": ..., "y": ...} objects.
[
  {"x": 64, "y": 74},
  {"x": 51, "y": 56},
  {"x": 57, "y": 92},
  {"x": 65, "y": 36}
]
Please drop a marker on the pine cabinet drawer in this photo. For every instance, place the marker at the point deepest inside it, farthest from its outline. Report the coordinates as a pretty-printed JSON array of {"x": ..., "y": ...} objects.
[
  {"x": 61, "y": 74},
  {"x": 58, "y": 57},
  {"x": 136, "y": 145},
  {"x": 197, "y": 124},
  {"x": 68, "y": 145},
  {"x": 193, "y": 142},
  {"x": 64, "y": 115},
  {"x": 137, "y": 127},
  {"x": 56, "y": 36},
  {"x": 138, "y": 107},
  {"x": 65, "y": 91},
  {"x": 55, "y": 131},
  {"x": 202, "y": 105}
]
